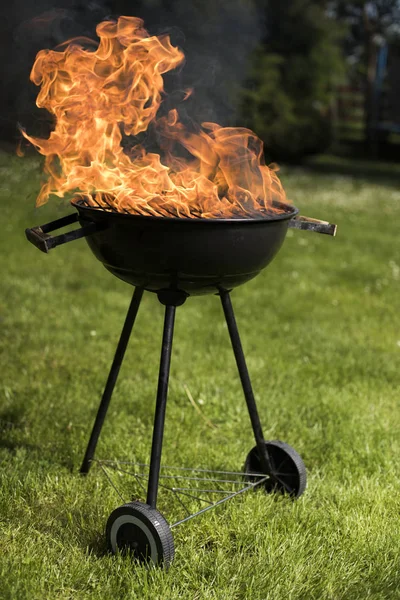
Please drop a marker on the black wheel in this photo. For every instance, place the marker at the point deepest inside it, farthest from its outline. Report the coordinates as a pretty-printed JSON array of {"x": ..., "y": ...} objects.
[
  {"x": 288, "y": 474},
  {"x": 137, "y": 528}
]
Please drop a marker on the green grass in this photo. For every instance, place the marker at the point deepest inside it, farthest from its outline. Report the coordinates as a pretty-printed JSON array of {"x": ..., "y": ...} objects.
[{"x": 321, "y": 332}]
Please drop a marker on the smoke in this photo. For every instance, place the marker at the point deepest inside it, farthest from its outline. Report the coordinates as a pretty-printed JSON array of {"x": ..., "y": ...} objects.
[
  {"x": 217, "y": 38},
  {"x": 25, "y": 28}
]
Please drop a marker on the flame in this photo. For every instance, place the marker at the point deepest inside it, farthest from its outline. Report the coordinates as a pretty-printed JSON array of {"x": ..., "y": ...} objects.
[{"x": 98, "y": 95}]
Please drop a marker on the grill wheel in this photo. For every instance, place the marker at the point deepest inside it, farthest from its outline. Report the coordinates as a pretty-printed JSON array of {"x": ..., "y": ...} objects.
[
  {"x": 288, "y": 470},
  {"x": 138, "y": 529}
]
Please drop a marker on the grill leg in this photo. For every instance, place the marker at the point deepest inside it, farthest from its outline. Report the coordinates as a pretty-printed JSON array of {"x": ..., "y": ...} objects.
[
  {"x": 112, "y": 379},
  {"x": 161, "y": 404},
  {"x": 245, "y": 379}
]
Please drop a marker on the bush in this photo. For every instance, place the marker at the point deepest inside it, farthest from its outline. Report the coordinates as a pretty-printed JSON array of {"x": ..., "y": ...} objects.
[{"x": 288, "y": 98}]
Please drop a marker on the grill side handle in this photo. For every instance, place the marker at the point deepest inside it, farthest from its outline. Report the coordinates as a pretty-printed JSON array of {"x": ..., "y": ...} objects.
[
  {"x": 301, "y": 222},
  {"x": 40, "y": 236}
]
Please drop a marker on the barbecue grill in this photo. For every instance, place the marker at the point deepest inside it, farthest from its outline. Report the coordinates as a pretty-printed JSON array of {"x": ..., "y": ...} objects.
[{"x": 177, "y": 258}]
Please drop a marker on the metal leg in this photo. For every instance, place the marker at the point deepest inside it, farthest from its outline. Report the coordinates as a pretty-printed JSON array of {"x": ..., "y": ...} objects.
[
  {"x": 112, "y": 379},
  {"x": 245, "y": 379},
  {"x": 161, "y": 404}
]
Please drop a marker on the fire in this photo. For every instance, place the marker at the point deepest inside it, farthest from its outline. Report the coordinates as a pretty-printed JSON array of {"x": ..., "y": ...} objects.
[{"x": 97, "y": 96}]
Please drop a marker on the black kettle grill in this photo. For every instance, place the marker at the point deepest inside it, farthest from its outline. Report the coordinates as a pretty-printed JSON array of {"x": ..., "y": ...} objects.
[{"x": 176, "y": 258}]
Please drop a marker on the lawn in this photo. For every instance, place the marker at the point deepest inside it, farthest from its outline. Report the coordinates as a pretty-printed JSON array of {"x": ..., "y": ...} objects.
[{"x": 321, "y": 332}]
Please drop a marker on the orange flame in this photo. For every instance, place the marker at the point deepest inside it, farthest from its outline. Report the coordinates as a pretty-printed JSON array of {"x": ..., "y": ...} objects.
[{"x": 96, "y": 95}]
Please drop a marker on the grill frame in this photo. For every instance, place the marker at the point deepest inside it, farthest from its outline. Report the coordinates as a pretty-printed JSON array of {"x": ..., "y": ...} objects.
[{"x": 177, "y": 257}]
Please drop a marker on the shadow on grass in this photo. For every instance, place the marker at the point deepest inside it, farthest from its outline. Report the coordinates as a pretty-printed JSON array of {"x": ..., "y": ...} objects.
[
  {"x": 97, "y": 546},
  {"x": 12, "y": 418},
  {"x": 14, "y": 436},
  {"x": 372, "y": 171},
  {"x": 14, "y": 446},
  {"x": 12, "y": 430}
]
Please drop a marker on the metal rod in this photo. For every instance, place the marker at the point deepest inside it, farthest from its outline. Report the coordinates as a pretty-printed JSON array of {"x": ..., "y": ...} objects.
[
  {"x": 198, "y": 498},
  {"x": 201, "y": 490},
  {"x": 110, "y": 481},
  {"x": 112, "y": 379},
  {"x": 161, "y": 404},
  {"x": 203, "y": 510},
  {"x": 138, "y": 476},
  {"x": 180, "y": 501},
  {"x": 139, "y": 482},
  {"x": 246, "y": 383},
  {"x": 206, "y": 479},
  {"x": 127, "y": 462}
]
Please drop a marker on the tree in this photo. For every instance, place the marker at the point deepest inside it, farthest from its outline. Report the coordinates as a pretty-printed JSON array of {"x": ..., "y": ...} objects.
[
  {"x": 369, "y": 24},
  {"x": 288, "y": 97}
]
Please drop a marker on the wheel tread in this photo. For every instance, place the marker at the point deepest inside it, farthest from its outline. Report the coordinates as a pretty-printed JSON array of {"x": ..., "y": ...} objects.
[
  {"x": 292, "y": 454},
  {"x": 164, "y": 539}
]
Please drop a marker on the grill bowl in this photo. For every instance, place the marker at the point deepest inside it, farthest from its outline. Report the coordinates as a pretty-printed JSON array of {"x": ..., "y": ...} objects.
[{"x": 197, "y": 256}]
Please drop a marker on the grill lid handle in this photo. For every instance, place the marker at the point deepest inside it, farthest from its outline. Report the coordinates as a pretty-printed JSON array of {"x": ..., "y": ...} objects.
[
  {"x": 40, "y": 237},
  {"x": 301, "y": 222}
]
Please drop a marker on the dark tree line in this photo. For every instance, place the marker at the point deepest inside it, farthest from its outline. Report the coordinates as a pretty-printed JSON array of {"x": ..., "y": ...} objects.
[
  {"x": 368, "y": 26},
  {"x": 272, "y": 66},
  {"x": 296, "y": 68},
  {"x": 309, "y": 47}
]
